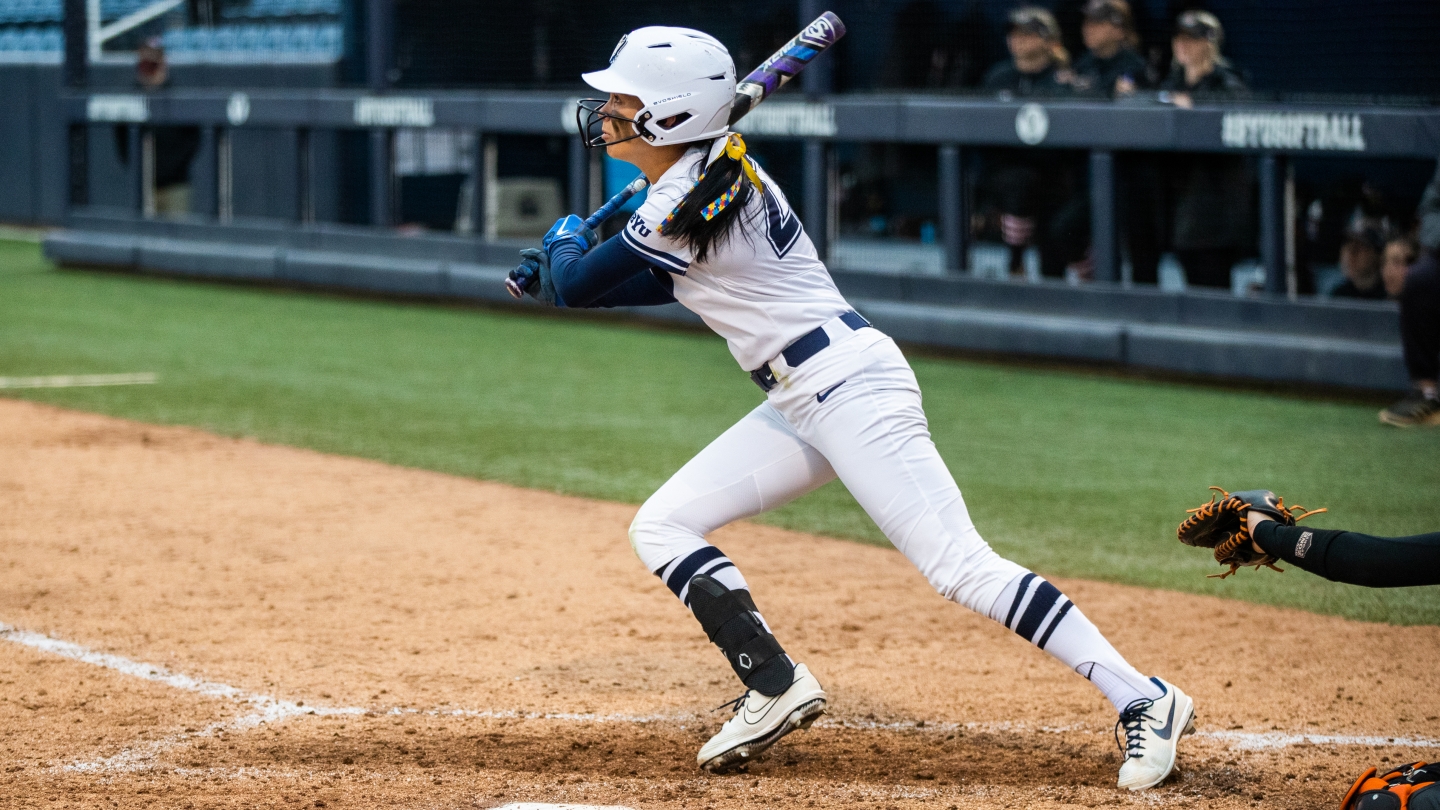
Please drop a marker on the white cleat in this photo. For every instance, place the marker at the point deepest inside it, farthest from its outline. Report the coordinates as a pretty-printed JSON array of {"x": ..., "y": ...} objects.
[
  {"x": 761, "y": 720},
  {"x": 1153, "y": 729}
]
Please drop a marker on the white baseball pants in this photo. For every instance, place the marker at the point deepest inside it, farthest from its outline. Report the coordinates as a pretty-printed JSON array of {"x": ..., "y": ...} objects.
[{"x": 853, "y": 410}]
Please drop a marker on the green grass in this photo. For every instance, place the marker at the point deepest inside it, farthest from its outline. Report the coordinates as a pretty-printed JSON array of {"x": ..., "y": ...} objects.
[{"x": 1071, "y": 473}]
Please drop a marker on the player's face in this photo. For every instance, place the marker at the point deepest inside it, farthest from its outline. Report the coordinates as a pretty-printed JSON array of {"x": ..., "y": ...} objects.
[
  {"x": 625, "y": 107},
  {"x": 1101, "y": 35}
]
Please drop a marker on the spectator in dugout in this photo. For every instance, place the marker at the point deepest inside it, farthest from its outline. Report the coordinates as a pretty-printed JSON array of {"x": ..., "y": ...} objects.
[
  {"x": 1198, "y": 70},
  {"x": 1214, "y": 213},
  {"x": 1029, "y": 186},
  {"x": 175, "y": 147},
  {"x": 1401, "y": 251},
  {"x": 1420, "y": 321},
  {"x": 1361, "y": 256},
  {"x": 1110, "y": 66},
  {"x": 1038, "y": 65}
]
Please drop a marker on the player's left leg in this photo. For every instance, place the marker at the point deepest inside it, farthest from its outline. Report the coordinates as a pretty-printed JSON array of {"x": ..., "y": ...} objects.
[
  {"x": 757, "y": 464},
  {"x": 873, "y": 431}
]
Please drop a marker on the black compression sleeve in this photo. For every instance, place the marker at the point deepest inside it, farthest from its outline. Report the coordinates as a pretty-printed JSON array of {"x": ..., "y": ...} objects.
[{"x": 1354, "y": 558}]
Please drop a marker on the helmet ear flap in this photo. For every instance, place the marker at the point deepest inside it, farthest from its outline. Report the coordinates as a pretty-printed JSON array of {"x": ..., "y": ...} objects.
[{"x": 673, "y": 121}]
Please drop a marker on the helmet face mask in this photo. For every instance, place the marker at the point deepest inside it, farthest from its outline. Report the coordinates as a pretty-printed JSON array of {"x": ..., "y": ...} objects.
[{"x": 590, "y": 115}]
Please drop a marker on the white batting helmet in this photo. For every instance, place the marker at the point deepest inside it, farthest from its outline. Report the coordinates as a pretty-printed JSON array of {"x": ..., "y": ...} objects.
[{"x": 674, "y": 72}]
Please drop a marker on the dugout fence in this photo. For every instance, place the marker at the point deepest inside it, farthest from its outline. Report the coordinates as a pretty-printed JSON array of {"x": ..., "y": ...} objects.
[
  {"x": 1273, "y": 133},
  {"x": 1317, "y": 341}
]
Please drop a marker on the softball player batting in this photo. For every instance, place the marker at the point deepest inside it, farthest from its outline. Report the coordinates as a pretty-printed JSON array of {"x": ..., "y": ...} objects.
[{"x": 717, "y": 234}]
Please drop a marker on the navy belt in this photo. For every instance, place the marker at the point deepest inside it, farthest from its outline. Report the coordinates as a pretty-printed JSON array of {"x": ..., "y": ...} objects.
[{"x": 805, "y": 347}]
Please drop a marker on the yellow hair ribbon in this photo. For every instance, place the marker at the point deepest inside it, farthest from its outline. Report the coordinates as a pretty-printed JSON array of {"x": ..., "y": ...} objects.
[{"x": 735, "y": 150}]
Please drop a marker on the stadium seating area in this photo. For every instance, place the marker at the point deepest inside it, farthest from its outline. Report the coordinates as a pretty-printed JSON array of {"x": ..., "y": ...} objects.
[
  {"x": 282, "y": 8},
  {"x": 30, "y": 31},
  {"x": 260, "y": 42},
  {"x": 20, "y": 12},
  {"x": 275, "y": 31},
  {"x": 32, "y": 39}
]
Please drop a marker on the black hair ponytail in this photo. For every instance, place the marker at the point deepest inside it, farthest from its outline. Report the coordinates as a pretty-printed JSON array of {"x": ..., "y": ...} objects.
[{"x": 725, "y": 184}]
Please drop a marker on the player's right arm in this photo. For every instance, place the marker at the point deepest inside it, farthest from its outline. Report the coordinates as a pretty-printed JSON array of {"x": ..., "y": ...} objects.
[
  {"x": 611, "y": 275},
  {"x": 571, "y": 271}
]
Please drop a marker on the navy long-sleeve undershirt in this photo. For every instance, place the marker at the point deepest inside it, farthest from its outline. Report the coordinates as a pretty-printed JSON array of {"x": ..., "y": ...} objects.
[{"x": 611, "y": 275}]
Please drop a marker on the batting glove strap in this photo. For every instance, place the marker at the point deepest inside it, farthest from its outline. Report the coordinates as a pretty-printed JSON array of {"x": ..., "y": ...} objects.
[{"x": 570, "y": 228}]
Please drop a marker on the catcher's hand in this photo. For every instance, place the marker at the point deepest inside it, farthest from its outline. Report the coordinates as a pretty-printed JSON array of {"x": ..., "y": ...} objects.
[{"x": 1223, "y": 525}]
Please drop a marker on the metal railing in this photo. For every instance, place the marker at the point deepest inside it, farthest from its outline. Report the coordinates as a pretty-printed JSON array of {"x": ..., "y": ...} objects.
[{"x": 1273, "y": 133}]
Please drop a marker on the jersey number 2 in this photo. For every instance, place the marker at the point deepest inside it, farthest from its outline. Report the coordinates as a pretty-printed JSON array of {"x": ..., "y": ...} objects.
[{"x": 782, "y": 227}]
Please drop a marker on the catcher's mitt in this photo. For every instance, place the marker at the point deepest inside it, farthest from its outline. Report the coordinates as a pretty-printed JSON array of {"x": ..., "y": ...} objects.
[{"x": 1221, "y": 525}]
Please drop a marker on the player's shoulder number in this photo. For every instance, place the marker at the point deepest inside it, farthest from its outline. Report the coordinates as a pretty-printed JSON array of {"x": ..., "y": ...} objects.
[{"x": 782, "y": 227}]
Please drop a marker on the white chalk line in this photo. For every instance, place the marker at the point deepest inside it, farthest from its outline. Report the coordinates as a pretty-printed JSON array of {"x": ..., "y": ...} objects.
[
  {"x": 268, "y": 709},
  {"x": 1243, "y": 740},
  {"x": 263, "y": 708},
  {"x": 1282, "y": 739},
  {"x": 543, "y": 806},
  {"x": 81, "y": 380}
]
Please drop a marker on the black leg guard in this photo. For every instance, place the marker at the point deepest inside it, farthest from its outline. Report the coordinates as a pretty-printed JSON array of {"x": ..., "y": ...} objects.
[{"x": 730, "y": 620}]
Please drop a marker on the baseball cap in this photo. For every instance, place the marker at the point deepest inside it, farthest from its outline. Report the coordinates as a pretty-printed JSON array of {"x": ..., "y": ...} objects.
[
  {"x": 1115, "y": 12},
  {"x": 1200, "y": 25},
  {"x": 1366, "y": 234},
  {"x": 1034, "y": 20}
]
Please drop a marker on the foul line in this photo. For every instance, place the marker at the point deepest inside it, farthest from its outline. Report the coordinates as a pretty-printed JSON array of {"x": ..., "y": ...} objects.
[
  {"x": 1279, "y": 739},
  {"x": 267, "y": 708},
  {"x": 543, "y": 806},
  {"x": 81, "y": 380},
  {"x": 264, "y": 708}
]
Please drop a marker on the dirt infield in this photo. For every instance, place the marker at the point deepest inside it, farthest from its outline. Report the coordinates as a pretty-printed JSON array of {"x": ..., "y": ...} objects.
[{"x": 360, "y": 635}]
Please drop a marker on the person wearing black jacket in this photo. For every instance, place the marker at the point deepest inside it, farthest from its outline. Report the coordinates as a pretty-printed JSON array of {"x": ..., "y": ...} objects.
[
  {"x": 1110, "y": 67},
  {"x": 1420, "y": 321},
  {"x": 1214, "y": 213},
  {"x": 1038, "y": 64},
  {"x": 1198, "y": 70},
  {"x": 1029, "y": 186}
]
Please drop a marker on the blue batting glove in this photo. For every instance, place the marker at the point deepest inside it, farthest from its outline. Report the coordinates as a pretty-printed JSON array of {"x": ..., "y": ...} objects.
[{"x": 571, "y": 228}]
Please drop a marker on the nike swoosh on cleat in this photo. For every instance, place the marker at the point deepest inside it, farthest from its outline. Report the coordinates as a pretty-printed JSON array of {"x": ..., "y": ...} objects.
[
  {"x": 1164, "y": 731},
  {"x": 762, "y": 714},
  {"x": 824, "y": 395}
]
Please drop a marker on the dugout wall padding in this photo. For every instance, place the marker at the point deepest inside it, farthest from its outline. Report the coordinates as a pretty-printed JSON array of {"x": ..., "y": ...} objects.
[{"x": 1349, "y": 344}]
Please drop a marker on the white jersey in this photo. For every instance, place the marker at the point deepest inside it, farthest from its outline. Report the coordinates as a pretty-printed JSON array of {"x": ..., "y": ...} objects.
[{"x": 762, "y": 289}]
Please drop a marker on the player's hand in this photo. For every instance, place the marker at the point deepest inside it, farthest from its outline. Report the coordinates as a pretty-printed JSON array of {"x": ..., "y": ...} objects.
[
  {"x": 532, "y": 276},
  {"x": 1253, "y": 519},
  {"x": 571, "y": 228}
]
